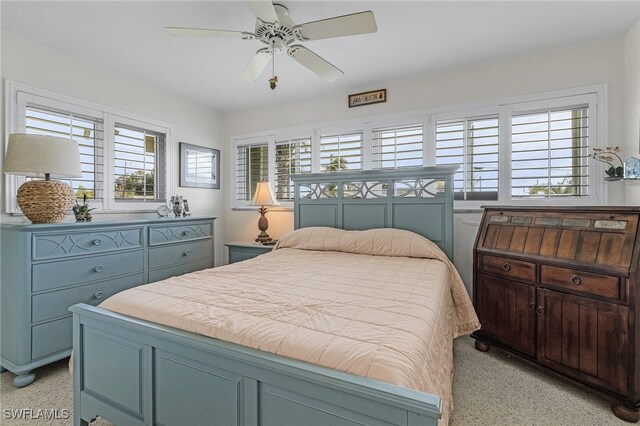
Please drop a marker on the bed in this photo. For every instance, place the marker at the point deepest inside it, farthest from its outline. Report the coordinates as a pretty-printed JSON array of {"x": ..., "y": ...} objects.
[{"x": 300, "y": 349}]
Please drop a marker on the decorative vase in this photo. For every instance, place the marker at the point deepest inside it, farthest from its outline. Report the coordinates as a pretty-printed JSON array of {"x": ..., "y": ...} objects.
[{"x": 177, "y": 209}]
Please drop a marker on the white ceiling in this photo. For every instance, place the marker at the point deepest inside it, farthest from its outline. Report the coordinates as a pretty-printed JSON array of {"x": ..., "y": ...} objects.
[{"x": 414, "y": 37}]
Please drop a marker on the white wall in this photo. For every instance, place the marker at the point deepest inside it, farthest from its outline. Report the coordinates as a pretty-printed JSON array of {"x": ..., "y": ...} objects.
[
  {"x": 632, "y": 107},
  {"x": 594, "y": 63},
  {"x": 35, "y": 65}
]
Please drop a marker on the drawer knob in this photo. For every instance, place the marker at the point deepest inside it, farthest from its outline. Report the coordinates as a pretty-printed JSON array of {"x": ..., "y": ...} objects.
[
  {"x": 576, "y": 280},
  {"x": 98, "y": 295},
  {"x": 187, "y": 252},
  {"x": 540, "y": 310},
  {"x": 97, "y": 242},
  {"x": 532, "y": 306},
  {"x": 506, "y": 267},
  {"x": 99, "y": 268},
  {"x": 186, "y": 233}
]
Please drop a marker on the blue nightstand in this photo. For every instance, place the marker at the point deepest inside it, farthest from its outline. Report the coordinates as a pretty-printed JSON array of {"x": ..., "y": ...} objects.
[{"x": 239, "y": 251}]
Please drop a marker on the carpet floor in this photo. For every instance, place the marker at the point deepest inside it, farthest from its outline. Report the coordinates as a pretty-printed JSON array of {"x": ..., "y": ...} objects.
[{"x": 490, "y": 388}]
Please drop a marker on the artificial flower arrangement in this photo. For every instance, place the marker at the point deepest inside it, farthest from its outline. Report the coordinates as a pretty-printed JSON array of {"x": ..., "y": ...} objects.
[{"x": 607, "y": 155}]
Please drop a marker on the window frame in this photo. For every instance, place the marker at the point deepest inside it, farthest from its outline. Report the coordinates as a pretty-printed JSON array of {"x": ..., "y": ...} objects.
[
  {"x": 595, "y": 96},
  {"x": 592, "y": 102},
  {"x": 471, "y": 115},
  {"x": 16, "y": 95}
]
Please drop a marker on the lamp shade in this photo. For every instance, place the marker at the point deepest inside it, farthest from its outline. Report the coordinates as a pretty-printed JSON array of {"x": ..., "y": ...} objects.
[
  {"x": 264, "y": 195},
  {"x": 38, "y": 155}
]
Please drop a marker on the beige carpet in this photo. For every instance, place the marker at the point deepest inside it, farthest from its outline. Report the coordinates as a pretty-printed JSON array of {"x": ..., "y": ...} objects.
[{"x": 489, "y": 389}]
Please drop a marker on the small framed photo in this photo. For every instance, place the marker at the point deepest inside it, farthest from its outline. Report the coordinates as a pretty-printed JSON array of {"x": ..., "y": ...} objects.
[
  {"x": 199, "y": 166},
  {"x": 185, "y": 208},
  {"x": 632, "y": 168}
]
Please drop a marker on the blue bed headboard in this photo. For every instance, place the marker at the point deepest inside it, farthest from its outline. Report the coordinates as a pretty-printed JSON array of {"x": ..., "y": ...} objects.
[{"x": 415, "y": 199}]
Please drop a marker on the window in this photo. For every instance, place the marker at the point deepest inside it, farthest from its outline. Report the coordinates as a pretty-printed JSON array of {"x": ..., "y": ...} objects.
[
  {"x": 252, "y": 167},
  {"x": 472, "y": 144},
  {"x": 342, "y": 151},
  {"x": 139, "y": 164},
  {"x": 87, "y": 131},
  {"x": 550, "y": 153},
  {"x": 124, "y": 158},
  {"x": 533, "y": 148},
  {"x": 394, "y": 147},
  {"x": 292, "y": 157}
]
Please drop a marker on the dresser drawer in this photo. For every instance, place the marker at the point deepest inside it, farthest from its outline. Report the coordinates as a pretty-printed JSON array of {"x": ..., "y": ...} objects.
[
  {"x": 183, "y": 232},
  {"x": 508, "y": 268},
  {"x": 55, "y": 304},
  {"x": 48, "y": 276},
  {"x": 56, "y": 245},
  {"x": 52, "y": 337},
  {"x": 174, "y": 271},
  {"x": 180, "y": 253},
  {"x": 584, "y": 282}
]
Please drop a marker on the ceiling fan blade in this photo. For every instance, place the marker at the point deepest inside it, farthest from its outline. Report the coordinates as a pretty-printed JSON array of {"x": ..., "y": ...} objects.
[
  {"x": 340, "y": 26},
  {"x": 256, "y": 65},
  {"x": 314, "y": 63},
  {"x": 264, "y": 10},
  {"x": 201, "y": 32}
]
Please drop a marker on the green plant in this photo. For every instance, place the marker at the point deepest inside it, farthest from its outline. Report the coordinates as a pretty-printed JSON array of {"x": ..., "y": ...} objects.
[
  {"x": 82, "y": 212},
  {"x": 605, "y": 156}
]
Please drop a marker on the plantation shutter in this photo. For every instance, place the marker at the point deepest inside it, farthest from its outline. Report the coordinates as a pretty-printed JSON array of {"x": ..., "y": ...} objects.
[
  {"x": 342, "y": 151},
  {"x": 550, "y": 152},
  {"x": 139, "y": 164},
  {"x": 400, "y": 146},
  {"x": 292, "y": 157},
  {"x": 87, "y": 131},
  {"x": 472, "y": 144},
  {"x": 252, "y": 167}
]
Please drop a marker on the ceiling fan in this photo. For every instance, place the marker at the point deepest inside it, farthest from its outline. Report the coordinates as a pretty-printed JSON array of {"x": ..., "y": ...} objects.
[{"x": 277, "y": 30}]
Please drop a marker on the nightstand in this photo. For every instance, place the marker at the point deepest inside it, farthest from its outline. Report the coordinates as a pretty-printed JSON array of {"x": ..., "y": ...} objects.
[{"x": 239, "y": 251}]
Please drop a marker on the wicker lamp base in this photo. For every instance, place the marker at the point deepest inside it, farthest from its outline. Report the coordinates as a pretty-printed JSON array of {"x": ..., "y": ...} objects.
[{"x": 45, "y": 201}]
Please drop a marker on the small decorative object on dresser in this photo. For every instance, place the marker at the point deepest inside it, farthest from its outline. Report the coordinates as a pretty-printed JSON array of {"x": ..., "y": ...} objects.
[
  {"x": 163, "y": 211},
  {"x": 185, "y": 208},
  {"x": 239, "y": 251},
  {"x": 632, "y": 168},
  {"x": 560, "y": 287},
  {"x": 47, "y": 268},
  {"x": 176, "y": 205},
  {"x": 82, "y": 212}
]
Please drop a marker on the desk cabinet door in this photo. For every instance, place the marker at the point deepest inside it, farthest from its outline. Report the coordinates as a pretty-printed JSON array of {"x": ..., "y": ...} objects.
[
  {"x": 506, "y": 312},
  {"x": 585, "y": 339}
]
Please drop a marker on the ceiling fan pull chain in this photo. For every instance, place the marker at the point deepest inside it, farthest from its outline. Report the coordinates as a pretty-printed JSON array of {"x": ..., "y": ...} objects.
[{"x": 274, "y": 79}]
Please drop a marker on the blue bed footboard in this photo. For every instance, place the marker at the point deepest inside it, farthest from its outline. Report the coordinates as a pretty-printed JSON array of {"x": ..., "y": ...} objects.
[{"x": 133, "y": 372}]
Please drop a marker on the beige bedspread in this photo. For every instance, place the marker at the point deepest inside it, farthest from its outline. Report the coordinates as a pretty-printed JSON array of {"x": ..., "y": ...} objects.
[{"x": 390, "y": 317}]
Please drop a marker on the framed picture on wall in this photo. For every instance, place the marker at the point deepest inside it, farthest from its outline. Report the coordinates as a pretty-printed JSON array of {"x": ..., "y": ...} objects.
[{"x": 199, "y": 166}]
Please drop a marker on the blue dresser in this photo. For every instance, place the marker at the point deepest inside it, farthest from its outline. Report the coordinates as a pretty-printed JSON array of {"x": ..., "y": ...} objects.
[{"x": 48, "y": 267}]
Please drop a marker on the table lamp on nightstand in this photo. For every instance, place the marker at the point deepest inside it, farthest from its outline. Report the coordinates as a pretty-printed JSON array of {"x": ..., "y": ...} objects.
[
  {"x": 43, "y": 201},
  {"x": 263, "y": 197}
]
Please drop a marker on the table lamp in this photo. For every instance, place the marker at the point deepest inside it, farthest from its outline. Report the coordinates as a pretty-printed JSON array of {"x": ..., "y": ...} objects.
[
  {"x": 43, "y": 201},
  {"x": 263, "y": 197}
]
